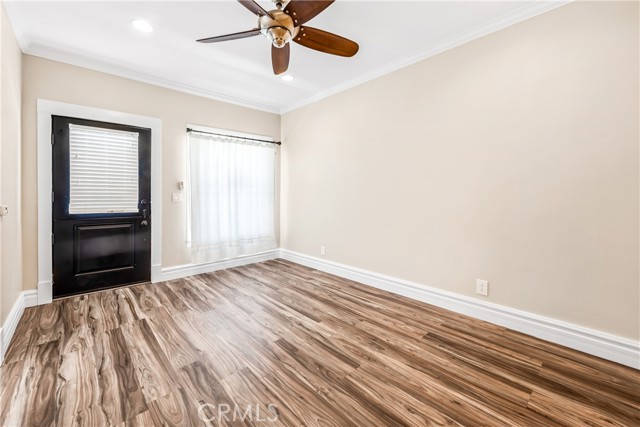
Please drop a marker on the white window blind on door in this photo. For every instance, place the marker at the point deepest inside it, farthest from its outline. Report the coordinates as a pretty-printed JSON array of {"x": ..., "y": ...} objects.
[
  {"x": 103, "y": 167},
  {"x": 231, "y": 197}
]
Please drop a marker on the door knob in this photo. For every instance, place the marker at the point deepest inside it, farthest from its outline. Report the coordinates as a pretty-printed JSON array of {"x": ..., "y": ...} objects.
[{"x": 145, "y": 211}]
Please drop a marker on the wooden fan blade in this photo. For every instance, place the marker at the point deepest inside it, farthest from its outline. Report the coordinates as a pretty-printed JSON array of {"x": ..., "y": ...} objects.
[
  {"x": 234, "y": 36},
  {"x": 253, "y": 7},
  {"x": 280, "y": 58},
  {"x": 326, "y": 42},
  {"x": 302, "y": 11}
]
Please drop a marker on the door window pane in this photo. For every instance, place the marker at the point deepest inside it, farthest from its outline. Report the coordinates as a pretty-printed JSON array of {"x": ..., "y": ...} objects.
[{"x": 103, "y": 170}]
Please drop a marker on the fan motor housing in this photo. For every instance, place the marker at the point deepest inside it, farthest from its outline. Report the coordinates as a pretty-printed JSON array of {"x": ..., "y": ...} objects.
[
  {"x": 278, "y": 27},
  {"x": 281, "y": 4}
]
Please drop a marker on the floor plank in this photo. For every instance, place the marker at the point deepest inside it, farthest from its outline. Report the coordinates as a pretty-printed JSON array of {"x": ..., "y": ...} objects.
[
  {"x": 279, "y": 344},
  {"x": 121, "y": 394}
]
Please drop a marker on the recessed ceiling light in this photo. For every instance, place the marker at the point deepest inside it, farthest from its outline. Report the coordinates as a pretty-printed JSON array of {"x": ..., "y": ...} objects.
[
  {"x": 142, "y": 25},
  {"x": 287, "y": 77}
]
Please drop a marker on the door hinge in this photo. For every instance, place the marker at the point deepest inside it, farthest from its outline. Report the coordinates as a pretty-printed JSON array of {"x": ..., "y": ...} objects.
[
  {"x": 53, "y": 197},
  {"x": 53, "y": 139},
  {"x": 53, "y": 239}
]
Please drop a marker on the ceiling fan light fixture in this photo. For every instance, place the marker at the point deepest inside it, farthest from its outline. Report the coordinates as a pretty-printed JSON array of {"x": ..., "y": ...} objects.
[
  {"x": 141, "y": 25},
  {"x": 279, "y": 36},
  {"x": 285, "y": 24}
]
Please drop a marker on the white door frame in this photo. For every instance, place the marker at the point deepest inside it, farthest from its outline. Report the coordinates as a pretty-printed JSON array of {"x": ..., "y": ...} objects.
[{"x": 44, "y": 166}]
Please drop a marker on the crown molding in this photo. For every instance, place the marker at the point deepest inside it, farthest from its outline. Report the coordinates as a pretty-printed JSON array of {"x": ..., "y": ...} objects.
[
  {"x": 519, "y": 15},
  {"x": 95, "y": 64},
  {"x": 17, "y": 20},
  {"x": 31, "y": 47}
]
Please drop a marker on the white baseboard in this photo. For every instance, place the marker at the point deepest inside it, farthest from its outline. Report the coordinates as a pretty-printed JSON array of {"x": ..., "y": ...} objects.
[
  {"x": 156, "y": 273},
  {"x": 25, "y": 299},
  {"x": 180, "y": 271},
  {"x": 45, "y": 292},
  {"x": 601, "y": 344}
]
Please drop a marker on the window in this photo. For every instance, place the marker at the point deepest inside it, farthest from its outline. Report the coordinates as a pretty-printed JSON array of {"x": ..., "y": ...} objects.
[
  {"x": 103, "y": 166},
  {"x": 231, "y": 196}
]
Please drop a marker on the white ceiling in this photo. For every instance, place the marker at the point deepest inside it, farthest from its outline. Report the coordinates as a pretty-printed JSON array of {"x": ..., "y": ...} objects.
[{"x": 391, "y": 34}]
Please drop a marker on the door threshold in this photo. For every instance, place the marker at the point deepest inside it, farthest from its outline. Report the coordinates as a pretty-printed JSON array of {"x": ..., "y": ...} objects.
[{"x": 97, "y": 291}]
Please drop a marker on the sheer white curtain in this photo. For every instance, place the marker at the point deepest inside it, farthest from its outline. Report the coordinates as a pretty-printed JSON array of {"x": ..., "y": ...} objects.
[{"x": 231, "y": 193}]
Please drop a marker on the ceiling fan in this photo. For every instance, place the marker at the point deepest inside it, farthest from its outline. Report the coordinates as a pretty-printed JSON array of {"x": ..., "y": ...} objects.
[{"x": 285, "y": 24}]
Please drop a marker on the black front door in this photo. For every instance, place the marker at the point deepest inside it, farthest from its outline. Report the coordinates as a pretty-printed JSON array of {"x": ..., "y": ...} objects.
[{"x": 101, "y": 205}]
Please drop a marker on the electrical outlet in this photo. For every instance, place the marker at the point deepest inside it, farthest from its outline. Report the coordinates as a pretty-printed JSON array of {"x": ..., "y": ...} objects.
[
  {"x": 323, "y": 252},
  {"x": 482, "y": 287}
]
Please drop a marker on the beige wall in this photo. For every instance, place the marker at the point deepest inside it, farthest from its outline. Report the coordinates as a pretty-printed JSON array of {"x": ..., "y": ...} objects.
[
  {"x": 513, "y": 158},
  {"x": 10, "y": 225},
  {"x": 56, "y": 81}
]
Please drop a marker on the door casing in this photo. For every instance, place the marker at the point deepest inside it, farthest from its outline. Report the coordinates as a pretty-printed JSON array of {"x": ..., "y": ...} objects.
[{"x": 46, "y": 109}]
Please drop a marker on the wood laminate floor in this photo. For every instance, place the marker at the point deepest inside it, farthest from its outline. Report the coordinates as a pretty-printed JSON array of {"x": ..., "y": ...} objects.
[{"x": 278, "y": 340}]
